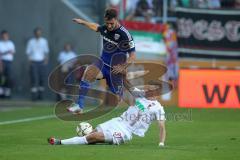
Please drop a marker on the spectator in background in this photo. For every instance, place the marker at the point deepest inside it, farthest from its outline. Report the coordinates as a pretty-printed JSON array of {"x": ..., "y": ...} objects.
[
  {"x": 203, "y": 4},
  {"x": 114, "y": 4},
  {"x": 170, "y": 38},
  {"x": 237, "y": 4},
  {"x": 130, "y": 6},
  {"x": 64, "y": 56},
  {"x": 173, "y": 4},
  {"x": 157, "y": 7},
  {"x": 185, "y": 3},
  {"x": 227, "y": 3},
  {"x": 37, "y": 52},
  {"x": 143, "y": 9},
  {"x": 7, "y": 50},
  {"x": 214, "y": 4}
]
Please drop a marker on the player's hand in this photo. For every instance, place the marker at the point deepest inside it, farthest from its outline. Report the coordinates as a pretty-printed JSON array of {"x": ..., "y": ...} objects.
[
  {"x": 120, "y": 68},
  {"x": 78, "y": 20}
]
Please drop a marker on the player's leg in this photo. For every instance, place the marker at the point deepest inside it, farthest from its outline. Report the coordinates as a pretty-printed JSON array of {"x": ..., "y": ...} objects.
[
  {"x": 95, "y": 137},
  {"x": 108, "y": 132},
  {"x": 91, "y": 73},
  {"x": 115, "y": 83},
  {"x": 1, "y": 78},
  {"x": 41, "y": 73},
  {"x": 7, "y": 75},
  {"x": 34, "y": 78},
  {"x": 162, "y": 135}
]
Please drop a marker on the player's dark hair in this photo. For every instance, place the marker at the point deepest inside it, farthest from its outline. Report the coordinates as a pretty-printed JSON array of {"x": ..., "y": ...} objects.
[
  {"x": 110, "y": 13},
  {"x": 4, "y": 32}
]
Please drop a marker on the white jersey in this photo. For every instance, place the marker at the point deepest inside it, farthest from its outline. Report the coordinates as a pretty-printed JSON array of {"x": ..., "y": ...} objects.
[
  {"x": 136, "y": 120},
  {"x": 139, "y": 117},
  {"x": 66, "y": 56},
  {"x": 6, "y": 46},
  {"x": 37, "y": 49}
]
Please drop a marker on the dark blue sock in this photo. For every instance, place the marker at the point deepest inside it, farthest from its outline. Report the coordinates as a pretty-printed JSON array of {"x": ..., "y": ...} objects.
[{"x": 84, "y": 86}]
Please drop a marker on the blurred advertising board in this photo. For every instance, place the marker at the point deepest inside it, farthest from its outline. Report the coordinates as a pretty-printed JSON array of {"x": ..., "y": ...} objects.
[
  {"x": 148, "y": 37},
  {"x": 212, "y": 32},
  {"x": 209, "y": 88}
]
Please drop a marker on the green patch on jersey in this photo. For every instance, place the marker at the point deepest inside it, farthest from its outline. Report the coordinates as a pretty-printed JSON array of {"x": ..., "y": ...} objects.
[{"x": 139, "y": 105}]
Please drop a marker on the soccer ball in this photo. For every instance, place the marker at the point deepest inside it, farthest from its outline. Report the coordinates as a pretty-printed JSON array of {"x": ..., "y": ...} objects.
[{"x": 84, "y": 128}]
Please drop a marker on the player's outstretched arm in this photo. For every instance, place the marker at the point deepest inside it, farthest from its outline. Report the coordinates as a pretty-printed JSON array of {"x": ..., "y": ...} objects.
[
  {"x": 162, "y": 133},
  {"x": 92, "y": 26},
  {"x": 132, "y": 57}
]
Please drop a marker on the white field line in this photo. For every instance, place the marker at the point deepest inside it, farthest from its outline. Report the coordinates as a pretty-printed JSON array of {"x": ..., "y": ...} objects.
[
  {"x": 27, "y": 119},
  {"x": 33, "y": 118},
  {"x": 11, "y": 109}
]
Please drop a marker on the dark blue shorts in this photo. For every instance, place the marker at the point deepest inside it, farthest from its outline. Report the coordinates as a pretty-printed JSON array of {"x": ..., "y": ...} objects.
[{"x": 114, "y": 81}]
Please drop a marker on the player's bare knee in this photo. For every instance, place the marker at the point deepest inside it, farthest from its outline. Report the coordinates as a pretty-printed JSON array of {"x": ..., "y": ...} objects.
[
  {"x": 88, "y": 77},
  {"x": 95, "y": 137},
  {"x": 91, "y": 138},
  {"x": 91, "y": 73}
]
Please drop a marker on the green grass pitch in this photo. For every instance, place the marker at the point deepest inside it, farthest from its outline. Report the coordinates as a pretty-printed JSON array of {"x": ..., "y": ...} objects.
[{"x": 211, "y": 134}]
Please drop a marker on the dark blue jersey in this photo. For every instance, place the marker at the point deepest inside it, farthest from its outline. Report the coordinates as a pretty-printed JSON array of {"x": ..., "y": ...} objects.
[{"x": 116, "y": 45}]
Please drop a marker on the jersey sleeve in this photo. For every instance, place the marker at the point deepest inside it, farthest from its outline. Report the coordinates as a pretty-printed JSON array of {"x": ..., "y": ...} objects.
[
  {"x": 131, "y": 46},
  {"x": 101, "y": 29},
  {"x": 127, "y": 37}
]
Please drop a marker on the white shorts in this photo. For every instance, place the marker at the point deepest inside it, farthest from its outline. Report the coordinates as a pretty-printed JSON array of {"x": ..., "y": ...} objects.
[{"x": 114, "y": 131}]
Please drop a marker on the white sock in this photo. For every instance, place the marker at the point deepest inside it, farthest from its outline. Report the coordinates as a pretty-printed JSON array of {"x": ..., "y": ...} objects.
[{"x": 74, "y": 140}]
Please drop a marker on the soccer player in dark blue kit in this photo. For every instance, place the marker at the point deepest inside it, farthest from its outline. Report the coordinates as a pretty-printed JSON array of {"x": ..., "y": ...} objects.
[{"x": 118, "y": 51}]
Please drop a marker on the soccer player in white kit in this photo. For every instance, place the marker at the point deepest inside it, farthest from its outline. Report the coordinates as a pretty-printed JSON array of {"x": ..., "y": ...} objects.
[{"x": 135, "y": 120}]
